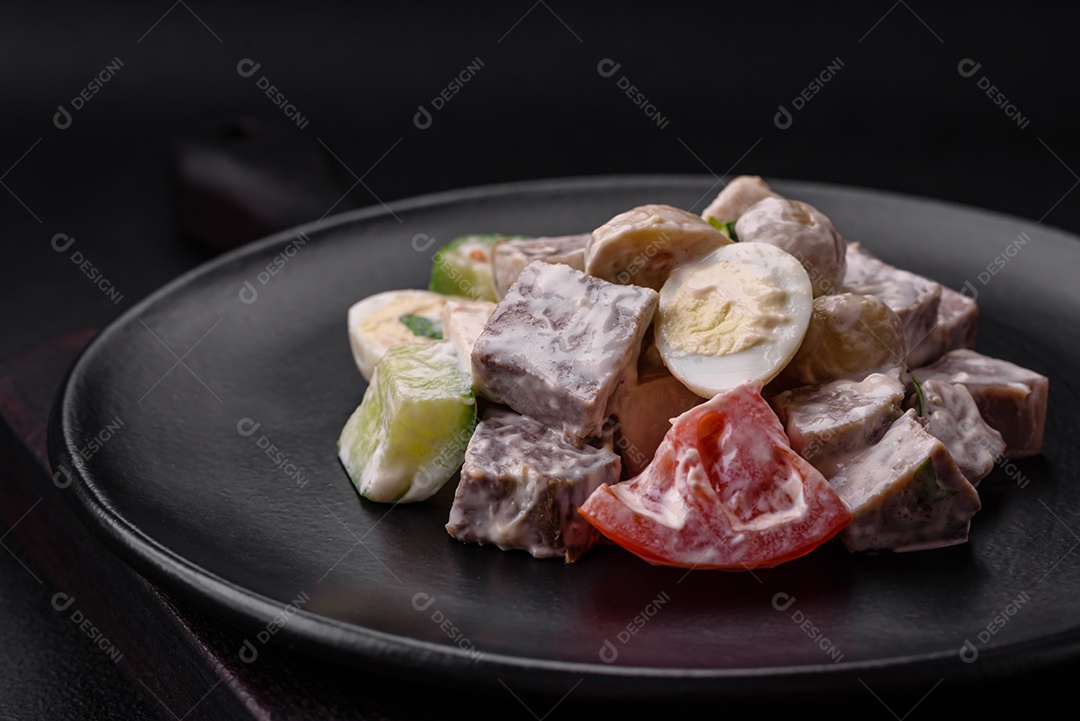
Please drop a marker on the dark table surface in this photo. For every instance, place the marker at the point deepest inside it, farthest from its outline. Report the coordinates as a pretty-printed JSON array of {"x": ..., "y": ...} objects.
[{"x": 898, "y": 100}]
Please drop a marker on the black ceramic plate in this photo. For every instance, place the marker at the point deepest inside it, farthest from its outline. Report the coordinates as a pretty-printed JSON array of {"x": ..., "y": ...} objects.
[{"x": 200, "y": 428}]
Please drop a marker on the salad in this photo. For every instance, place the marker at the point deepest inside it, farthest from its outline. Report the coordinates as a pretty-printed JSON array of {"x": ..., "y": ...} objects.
[{"x": 726, "y": 391}]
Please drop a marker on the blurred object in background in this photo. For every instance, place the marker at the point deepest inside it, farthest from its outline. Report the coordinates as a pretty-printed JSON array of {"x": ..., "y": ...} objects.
[{"x": 250, "y": 180}]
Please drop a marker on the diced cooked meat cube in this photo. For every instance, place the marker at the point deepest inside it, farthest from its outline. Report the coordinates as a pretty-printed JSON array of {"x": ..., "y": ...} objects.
[
  {"x": 512, "y": 256},
  {"x": 953, "y": 418},
  {"x": 559, "y": 343},
  {"x": 828, "y": 424},
  {"x": 913, "y": 298},
  {"x": 905, "y": 493},
  {"x": 957, "y": 323},
  {"x": 1011, "y": 399},
  {"x": 521, "y": 486},
  {"x": 864, "y": 268}
]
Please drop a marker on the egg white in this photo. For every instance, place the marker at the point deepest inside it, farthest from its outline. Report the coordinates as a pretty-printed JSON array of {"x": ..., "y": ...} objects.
[
  {"x": 371, "y": 343},
  {"x": 707, "y": 373}
]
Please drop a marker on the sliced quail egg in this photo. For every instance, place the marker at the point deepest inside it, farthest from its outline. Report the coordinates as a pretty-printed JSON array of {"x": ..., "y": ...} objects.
[
  {"x": 384, "y": 320},
  {"x": 739, "y": 313}
]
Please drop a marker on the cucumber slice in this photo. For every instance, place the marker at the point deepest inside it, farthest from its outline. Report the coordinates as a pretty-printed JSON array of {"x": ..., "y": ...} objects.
[
  {"x": 409, "y": 434},
  {"x": 463, "y": 266}
]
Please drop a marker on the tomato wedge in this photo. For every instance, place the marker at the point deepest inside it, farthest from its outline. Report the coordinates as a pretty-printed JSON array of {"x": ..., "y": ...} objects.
[{"x": 724, "y": 491}]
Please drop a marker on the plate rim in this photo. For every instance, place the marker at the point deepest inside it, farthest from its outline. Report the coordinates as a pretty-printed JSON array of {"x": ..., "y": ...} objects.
[{"x": 352, "y": 644}]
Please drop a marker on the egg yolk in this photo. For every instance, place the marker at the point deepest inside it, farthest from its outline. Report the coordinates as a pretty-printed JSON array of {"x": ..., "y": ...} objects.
[{"x": 722, "y": 309}]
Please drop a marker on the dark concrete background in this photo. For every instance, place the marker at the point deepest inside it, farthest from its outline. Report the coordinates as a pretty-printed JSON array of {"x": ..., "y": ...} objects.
[{"x": 898, "y": 115}]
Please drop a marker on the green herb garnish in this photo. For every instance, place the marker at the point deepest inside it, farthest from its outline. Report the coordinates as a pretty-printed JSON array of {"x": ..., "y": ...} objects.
[
  {"x": 918, "y": 394},
  {"x": 727, "y": 229},
  {"x": 423, "y": 327}
]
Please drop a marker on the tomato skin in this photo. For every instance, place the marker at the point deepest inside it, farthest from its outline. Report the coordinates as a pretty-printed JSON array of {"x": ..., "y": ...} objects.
[{"x": 724, "y": 491}]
